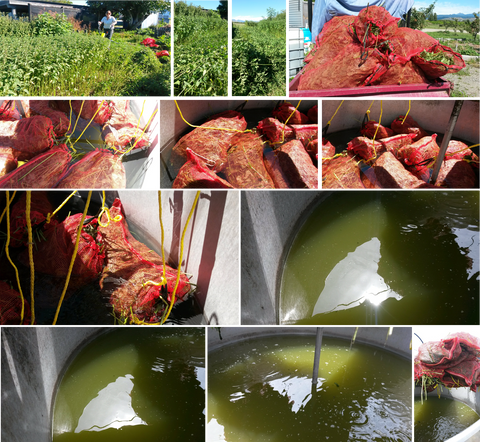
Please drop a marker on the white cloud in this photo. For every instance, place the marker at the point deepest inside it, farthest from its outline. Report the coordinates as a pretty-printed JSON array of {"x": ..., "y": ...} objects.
[
  {"x": 247, "y": 17},
  {"x": 442, "y": 8}
]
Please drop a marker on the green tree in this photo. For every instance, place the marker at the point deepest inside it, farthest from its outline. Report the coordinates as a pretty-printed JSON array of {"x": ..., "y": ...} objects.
[
  {"x": 456, "y": 25},
  {"x": 419, "y": 16},
  {"x": 473, "y": 27},
  {"x": 222, "y": 8},
  {"x": 133, "y": 12},
  {"x": 447, "y": 24}
]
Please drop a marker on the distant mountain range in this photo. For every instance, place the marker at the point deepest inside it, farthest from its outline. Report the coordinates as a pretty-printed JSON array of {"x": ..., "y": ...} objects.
[{"x": 461, "y": 16}]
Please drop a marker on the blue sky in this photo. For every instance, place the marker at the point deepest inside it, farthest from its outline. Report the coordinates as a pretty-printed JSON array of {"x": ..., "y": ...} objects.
[
  {"x": 255, "y": 10},
  {"x": 450, "y": 7}
]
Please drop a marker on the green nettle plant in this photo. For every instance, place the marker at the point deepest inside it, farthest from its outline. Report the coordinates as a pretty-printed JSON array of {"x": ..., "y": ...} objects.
[{"x": 52, "y": 24}]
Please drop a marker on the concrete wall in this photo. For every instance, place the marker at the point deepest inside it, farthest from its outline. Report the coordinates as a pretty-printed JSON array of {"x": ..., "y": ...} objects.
[
  {"x": 211, "y": 245},
  {"x": 269, "y": 220},
  {"x": 398, "y": 341},
  {"x": 33, "y": 361}
]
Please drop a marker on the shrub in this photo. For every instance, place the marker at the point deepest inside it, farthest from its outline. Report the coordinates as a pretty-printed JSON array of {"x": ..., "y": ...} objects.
[{"x": 52, "y": 24}]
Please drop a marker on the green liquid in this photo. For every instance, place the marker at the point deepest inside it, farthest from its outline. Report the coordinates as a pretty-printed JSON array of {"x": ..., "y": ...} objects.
[
  {"x": 385, "y": 258},
  {"x": 439, "y": 419},
  {"x": 261, "y": 390},
  {"x": 132, "y": 384}
]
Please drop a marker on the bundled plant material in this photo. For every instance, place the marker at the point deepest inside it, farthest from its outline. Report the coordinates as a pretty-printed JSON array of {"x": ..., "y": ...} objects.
[
  {"x": 297, "y": 165},
  {"x": 245, "y": 166},
  {"x": 452, "y": 362},
  {"x": 373, "y": 129},
  {"x": 408, "y": 125},
  {"x": 8, "y": 111},
  {"x": 11, "y": 306},
  {"x": 312, "y": 114},
  {"x": 374, "y": 25},
  {"x": 59, "y": 119},
  {"x": 389, "y": 172},
  {"x": 8, "y": 162},
  {"x": 28, "y": 136},
  {"x": 439, "y": 60},
  {"x": 40, "y": 207},
  {"x": 211, "y": 140},
  {"x": 341, "y": 172},
  {"x": 275, "y": 131},
  {"x": 402, "y": 71},
  {"x": 53, "y": 255},
  {"x": 328, "y": 149},
  {"x": 123, "y": 128},
  {"x": 286, "y": 112},
  {"x": 272, "y": 165},
  {"x": 135, "y": 269},
  {"x": 195, "y": 174},
  {"x": 408, "y": 42},
  {"x": 457, "y": 150},
  {"x": 456, "y": 174},
  {"x": 305, "y": 132},
  {"x": 395, "y": 142},
  {"x": 86, "y": 109},
  {"x": 99, "y": 169},
  {"x": 312, "y": 148},
  {"x": 41, "y": 172},
  {"x": 366, "y": 148},
  {"x": 419, "y": 155}
]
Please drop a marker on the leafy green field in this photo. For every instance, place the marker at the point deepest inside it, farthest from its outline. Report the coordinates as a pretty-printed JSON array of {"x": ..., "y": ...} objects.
[
  {"x": 207, "y": 63},
  {"x": 61, "y": 62}
]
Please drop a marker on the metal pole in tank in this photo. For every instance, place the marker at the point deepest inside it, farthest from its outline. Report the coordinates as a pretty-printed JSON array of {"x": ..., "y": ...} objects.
[
  {"x": 446, "y": 139},
  {"x": 316, "y": 361}
]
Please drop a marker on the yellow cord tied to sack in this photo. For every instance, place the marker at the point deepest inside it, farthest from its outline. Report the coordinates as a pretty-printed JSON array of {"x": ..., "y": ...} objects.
[{"x": 106, "y": 210}]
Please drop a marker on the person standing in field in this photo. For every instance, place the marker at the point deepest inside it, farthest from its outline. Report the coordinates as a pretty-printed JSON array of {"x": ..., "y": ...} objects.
[{"x": 109, "y": 23}]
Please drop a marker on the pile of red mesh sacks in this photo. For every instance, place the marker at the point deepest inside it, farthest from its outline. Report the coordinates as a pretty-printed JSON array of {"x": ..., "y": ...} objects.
[
  {"x": 401, "y": 156},
  {"x": 107, "y": 255},
  {"x": 370, "y": 49},
  {"x": 452, "y": 362},
  {"x": 39, "y": 136},
  {"x": 280, "y": 153}
]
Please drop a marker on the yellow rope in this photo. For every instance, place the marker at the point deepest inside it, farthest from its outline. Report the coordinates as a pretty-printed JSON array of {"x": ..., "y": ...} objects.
[
  {"x": 86, "y": 127},
  {"x": 368, "y": 110},
  {"x": 141, "y": 135},
  {"x": 78, "y": 117},
  {"x": 7, "y": 253},
  {"x": 181, "y": 257},
  {"x": 339, "y": 106},
  {"x": 162, "y": 237},
  {"x": 30, "y": 256},
  {"x": 409, "y": 107},
  {"x": 106, "y": 210},
  {"x": 226, "y": 129},
  {"x": 50, "y": 215},
  {"x": 72, "y": 262}
]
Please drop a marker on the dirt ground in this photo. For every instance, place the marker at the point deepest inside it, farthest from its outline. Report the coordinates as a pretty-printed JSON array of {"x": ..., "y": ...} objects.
[{"x": 466, "y": 83}]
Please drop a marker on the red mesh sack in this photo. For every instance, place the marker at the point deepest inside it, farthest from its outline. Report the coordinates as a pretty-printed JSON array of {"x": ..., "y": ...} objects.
[
  {"x": 453, "y": 362},
  {"x": 53, "y": 255},
  {"x": 28, "y": 136},
  {"x": 345, "y": 70},
  {"x": 272, "y": 164},
  {"x": 328, "y": 149},
  {"x": 40, "y": 207},
  {"x": 408, "y": 42},
  {"x": 312, "y": 114},
  {"x": 210, "y": 144},
  {"x": 124, "y": 127},
  {"x": 305, "y": 132},
  {"x": 402, "y": 72},
  {"x": 59, "y": 119},
  {"x": 372, "y": 128},
  {"x": 194, "y": 174},
  {"x": 374, "y": 25},
  {"x": 8, "y": 162},
  {"x": 395, "y": 142},
  {"x": 297, "y": 165},
  {"x": 274, "y": 130},
  {"x": 456, "y": 174},
  {"x": 457, "y": 150},
  {"x": 104, "y": 107},
  {"x": 287, "y": 111},
  {"x": 436, "y": 68},
  {"x": 312, "y": 149},
  {"x": 419, "y": 156},
  {"x": 42, "y": 172},
  {"x": 341, "y": 172},
  {"x": 11, "y": 306},
  {"x": 8, "y": 111},
  {"x": 408, "y": 126},
  {"x": 336, "y": 34},
  {"x": 99, "y": 169},
  {"x": 131, "y": 265},
  {"x": 365, "y": 148},
  {"x": 245, "y": 167}
]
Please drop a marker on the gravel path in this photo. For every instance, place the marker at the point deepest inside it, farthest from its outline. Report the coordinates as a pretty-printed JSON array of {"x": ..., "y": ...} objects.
[{"x": 466, "y": 83}]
